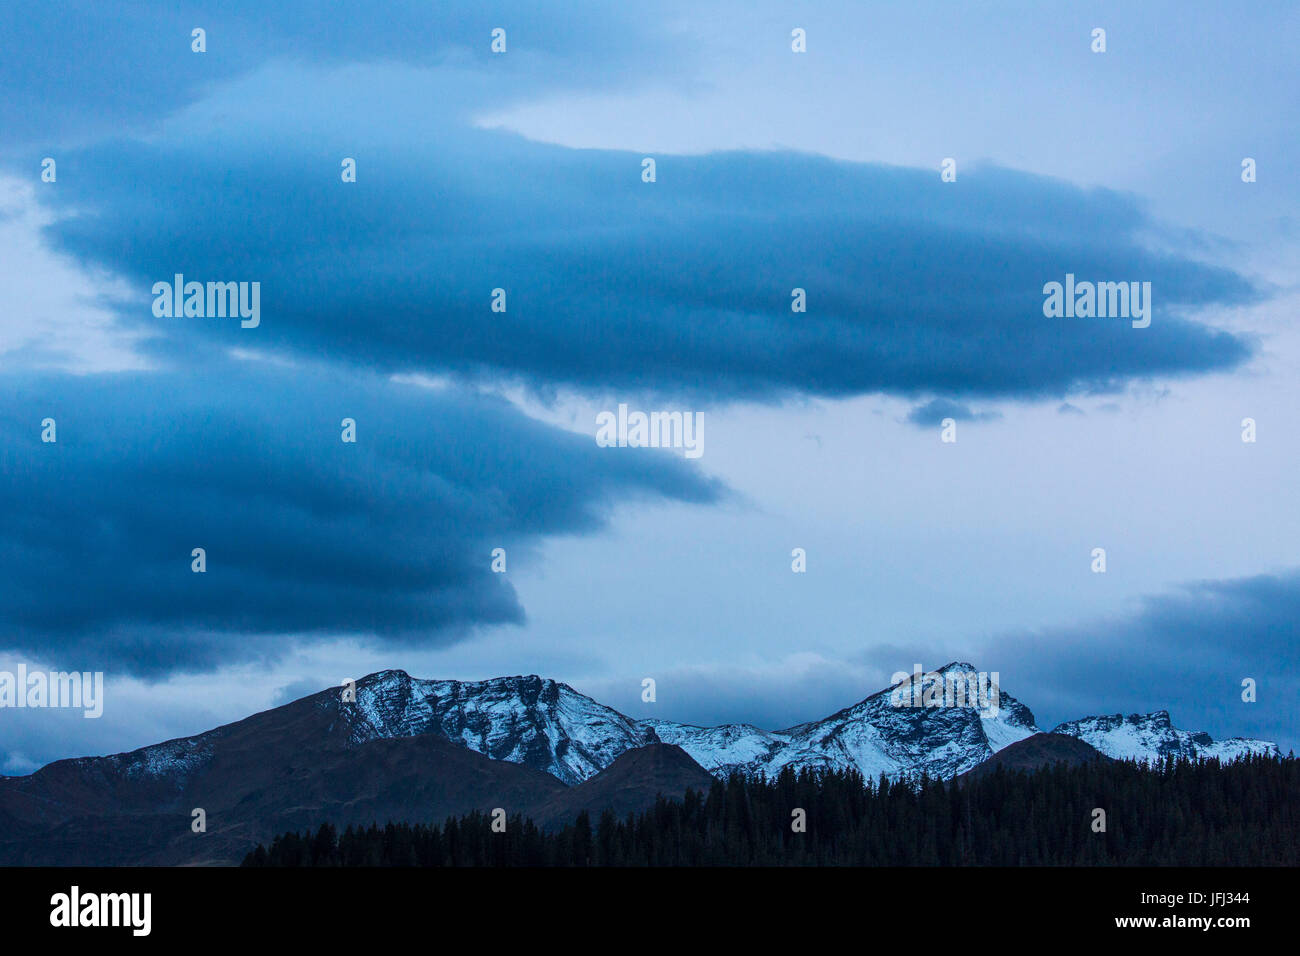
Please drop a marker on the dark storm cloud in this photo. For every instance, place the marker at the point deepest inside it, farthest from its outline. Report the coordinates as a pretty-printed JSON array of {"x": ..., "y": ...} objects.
[
  {"x": 304, "y": 534},
  {"x": 680, "y": 287},
  {"x": 1186, "y": 652},
  {"x": 71, "y": 70}
]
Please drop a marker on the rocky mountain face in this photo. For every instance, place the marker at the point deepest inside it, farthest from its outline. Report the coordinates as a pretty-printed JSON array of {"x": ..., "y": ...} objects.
[
  {"x": 529, "y": 720},
  {"x": 1151, "y": 737},
  {"x": 893, "y": 732},
  {"x": 550, "y": 726}
]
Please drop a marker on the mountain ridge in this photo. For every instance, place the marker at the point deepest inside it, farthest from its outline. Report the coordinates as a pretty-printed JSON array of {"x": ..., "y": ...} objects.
[
  {"x": 407, "y": 748},
  {"x": 878, "y": 735},
  {"x": 548, "y": 725}
]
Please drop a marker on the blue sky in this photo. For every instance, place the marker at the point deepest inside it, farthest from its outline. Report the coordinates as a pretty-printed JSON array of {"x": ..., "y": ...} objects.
[{"x": 775, "y": 170}]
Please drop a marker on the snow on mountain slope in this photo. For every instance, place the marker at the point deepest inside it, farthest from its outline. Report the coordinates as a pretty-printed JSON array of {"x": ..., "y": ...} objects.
[
  {"x": 722, "y": 749},
  {"x": 897, "y": 732},
  {"x": 529, "y": 720},
  {"x": 882, "y": 734},
  {"x": 1150, "y": 737}
]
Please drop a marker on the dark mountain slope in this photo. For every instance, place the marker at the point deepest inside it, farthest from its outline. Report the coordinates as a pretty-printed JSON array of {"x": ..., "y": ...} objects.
[
  {"x": 1040, "y": 750},
  {"x": 629, "y": 785},
  {"x": 251, "y": 785}
]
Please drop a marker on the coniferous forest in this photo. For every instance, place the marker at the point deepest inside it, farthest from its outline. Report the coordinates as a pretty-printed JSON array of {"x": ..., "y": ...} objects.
[{"x": 1178, "y": 813}]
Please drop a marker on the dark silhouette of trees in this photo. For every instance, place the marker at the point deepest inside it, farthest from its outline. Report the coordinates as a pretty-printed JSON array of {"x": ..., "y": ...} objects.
[{"x": 1176, "y": 813}]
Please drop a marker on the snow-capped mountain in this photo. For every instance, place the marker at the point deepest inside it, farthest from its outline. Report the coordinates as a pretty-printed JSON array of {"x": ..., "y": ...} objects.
[
  {"x": 1151, "y": 737},
  {"x": 550, "y": 726},
  {"x": 886, "y": 733},
  {"x": 410, "y": 749},
  {"x": 529, "y": 720}
]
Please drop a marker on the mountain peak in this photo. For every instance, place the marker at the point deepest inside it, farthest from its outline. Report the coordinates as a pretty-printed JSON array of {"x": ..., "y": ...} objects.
[
  {"x": 385, "y": 676},
  {"x": 886, "y": 733},
  {"x": 526, "y": 719}
]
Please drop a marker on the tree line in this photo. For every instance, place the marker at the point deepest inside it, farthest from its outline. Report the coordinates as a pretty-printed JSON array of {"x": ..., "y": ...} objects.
[{"x": 1175, "y": 813}]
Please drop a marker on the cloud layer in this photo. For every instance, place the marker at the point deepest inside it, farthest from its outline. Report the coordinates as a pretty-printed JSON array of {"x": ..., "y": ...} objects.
[
  {"x": 682, "y": 286},
  {"x": 304, "y": 534}
]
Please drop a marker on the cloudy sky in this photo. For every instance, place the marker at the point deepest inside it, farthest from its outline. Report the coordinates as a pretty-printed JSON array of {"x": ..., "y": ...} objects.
[{"x": 774, "y": 170}]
